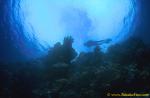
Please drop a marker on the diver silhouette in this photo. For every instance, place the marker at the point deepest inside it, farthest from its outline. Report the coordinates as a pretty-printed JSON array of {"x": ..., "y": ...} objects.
[{"x": 92, "y": 43}]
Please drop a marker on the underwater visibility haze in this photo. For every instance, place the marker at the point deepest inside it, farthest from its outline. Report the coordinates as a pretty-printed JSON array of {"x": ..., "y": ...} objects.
[
  {"x": 52, "y": 20},
  {"x": 74, "y": 48},
  {"x": 37, "y": 25}
]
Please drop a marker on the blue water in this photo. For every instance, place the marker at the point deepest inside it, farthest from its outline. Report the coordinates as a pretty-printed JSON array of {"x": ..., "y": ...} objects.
[
  {"x": 52, "y": 20},
  {"x": 37, "y": 25}
]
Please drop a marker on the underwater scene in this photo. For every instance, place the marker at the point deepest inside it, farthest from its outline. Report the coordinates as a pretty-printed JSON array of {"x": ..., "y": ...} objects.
[{"x": 74, "y": 48}]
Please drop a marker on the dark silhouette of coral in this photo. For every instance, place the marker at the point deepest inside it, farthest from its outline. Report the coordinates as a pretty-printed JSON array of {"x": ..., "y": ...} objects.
[
  {"x": 62, "y": 53},
  {"x": 63, "y": 74}
]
